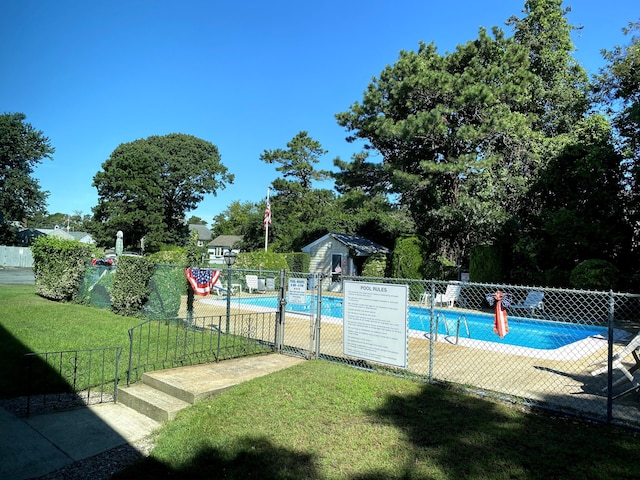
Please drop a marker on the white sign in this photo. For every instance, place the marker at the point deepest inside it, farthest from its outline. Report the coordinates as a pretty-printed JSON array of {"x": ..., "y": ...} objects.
[
  {"x": 375, "y": 322},
  {"x": 297, "y": 291}
]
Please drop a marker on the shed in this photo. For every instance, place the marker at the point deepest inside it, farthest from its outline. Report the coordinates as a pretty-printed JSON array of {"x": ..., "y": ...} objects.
[{"x": 338, "y": 253}]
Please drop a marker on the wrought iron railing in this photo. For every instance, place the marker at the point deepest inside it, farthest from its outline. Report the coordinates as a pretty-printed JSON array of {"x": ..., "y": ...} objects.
[
  {"x": 155, "y": 345},
  {"x": 64, "y": 379}
]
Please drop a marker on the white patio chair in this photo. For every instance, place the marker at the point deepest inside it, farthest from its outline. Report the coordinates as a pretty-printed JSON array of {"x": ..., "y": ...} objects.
[
  {"x": 252, "y": 282},
  {"x": 449, "y": 297},
  {"x": 628, "y": 371}
]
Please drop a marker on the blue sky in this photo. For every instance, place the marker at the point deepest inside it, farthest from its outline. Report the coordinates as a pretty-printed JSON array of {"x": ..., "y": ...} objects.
[{"x": 246, "y": 76}]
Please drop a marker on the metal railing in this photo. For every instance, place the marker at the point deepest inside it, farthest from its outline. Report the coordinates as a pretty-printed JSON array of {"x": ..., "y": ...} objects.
[
  {"x": 155, "y": 345},
  {"x": 65, "y": 379}
]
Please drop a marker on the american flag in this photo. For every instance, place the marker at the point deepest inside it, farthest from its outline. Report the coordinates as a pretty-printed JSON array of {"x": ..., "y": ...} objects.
[
  {"x": 202, "y": 280},
  {"x": 267, "y": 214}
]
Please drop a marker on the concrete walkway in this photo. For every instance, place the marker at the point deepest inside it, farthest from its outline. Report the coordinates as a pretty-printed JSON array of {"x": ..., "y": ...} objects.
[{"x": 40, "y": 444}]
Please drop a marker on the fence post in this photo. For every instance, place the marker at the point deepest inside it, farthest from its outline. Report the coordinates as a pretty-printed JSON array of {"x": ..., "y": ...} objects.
[
  {"x": 319, "y": 316},
  {"x": 130, "y": 357},
  {"x": 280, "y": 317},
  {"x": 117, "y": 376},
  {"x": 431, "y": 330},
  {"x": 610, "y": 358}
]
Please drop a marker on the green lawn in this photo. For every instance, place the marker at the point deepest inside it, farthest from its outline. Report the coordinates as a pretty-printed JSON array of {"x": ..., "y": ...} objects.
[
  {"x": 321, "y": 420},
  {"x": 30, "y": 323}
]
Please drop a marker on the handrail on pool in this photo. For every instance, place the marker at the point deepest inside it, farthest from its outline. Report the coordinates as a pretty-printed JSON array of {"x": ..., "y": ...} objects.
[{"x": 466, "y": 324}]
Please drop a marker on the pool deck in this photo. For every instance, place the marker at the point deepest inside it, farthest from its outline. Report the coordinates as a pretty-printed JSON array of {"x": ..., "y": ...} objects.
[{"x": 560, "y": 377}]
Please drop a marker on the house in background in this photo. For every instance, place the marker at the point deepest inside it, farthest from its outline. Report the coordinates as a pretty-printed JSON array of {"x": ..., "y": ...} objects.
[
  {"x": 340, "y": 253},
  {"x": 220, "y": 244},
  {"x": 82, "y": 237},
  {"x": 28, "y": 235},
  {"x": 204, "y": 234}
]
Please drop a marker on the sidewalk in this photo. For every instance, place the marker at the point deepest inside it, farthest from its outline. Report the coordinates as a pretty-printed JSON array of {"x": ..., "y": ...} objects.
[{"x": 41, "y": 444}]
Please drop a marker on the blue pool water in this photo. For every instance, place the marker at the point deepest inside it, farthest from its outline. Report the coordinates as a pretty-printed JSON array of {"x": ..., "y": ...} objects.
[{"x": 523, "y": 332}]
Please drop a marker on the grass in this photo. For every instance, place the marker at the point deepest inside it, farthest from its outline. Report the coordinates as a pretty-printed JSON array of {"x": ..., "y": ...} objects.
[
  {"x": 322, "y": 420},
  {"x": 30, "y": 323}
]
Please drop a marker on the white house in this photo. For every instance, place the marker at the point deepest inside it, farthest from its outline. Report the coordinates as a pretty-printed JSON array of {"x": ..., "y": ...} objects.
[
  {"x": 220, "y": 244},
  {"x": 204, "y": 234}
]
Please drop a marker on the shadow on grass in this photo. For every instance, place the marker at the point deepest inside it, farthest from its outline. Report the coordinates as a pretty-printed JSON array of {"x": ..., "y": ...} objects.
[
  {"x": 254, "y": 457},
  {"x": 464, "y": 436}
]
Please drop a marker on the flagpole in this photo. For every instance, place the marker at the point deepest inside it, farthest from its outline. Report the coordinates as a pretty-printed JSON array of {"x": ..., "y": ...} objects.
[{"x": 267, "y": 221}]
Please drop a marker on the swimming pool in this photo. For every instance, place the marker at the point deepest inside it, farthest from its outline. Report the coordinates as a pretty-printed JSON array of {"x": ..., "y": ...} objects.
[{"x": 523, "y": 332}]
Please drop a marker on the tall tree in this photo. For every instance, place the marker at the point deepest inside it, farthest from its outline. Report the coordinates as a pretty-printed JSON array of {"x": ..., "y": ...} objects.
[
  {"x": 22, "y": 147},
  {"x": 146, "y": 187},
  {"x": 558, "y": 92},
  {"x": 580, "y": 214},
  {"x": 617, "y": 88},
  {"x": 442, "y": 121},
  {"x": 464, "y": 135},
  {"x": 300, "y": 213}
]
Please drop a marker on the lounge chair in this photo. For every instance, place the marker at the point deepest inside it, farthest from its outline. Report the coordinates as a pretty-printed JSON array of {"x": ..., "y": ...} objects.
[
  {"x": 533, "y": 302},
  {"x": 449, "y": 297},
  {"x": 628, "y": 371},
  {"x": 252, "y": 282},
  {"x": 220, "y": 290}
]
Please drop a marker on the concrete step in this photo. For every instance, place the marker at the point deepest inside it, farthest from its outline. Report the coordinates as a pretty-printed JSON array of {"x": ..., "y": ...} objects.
[
  {"x": 163, "y": 393},
  {"x": 190, "y": 385},
  {"x": 153, "y": 403}
]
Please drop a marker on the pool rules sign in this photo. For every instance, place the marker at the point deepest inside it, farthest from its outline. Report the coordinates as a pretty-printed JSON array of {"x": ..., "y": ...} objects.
[{"x": 375, "y": 322}]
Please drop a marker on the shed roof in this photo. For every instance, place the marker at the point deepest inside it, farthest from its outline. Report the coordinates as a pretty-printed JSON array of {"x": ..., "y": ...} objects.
[{"x": 362, "y": 247}]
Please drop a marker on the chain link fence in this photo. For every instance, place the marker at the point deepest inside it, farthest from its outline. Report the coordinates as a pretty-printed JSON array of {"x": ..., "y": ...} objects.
[{"x": 559, "y": 352}]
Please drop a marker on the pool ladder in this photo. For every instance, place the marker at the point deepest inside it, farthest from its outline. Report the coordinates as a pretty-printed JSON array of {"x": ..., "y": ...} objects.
[{"x": 461, "y": 318}]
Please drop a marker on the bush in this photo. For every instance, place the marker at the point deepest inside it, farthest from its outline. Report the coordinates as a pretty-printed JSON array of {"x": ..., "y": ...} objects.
[
  {"x": 130, "y": 289},
  {"x": 375, "y": 266},
  {"x": 58, "y": 266},
  {"x": 261, "y": 260},
  {"x": 298, "y": 261},
  {"x": 407, "y": 258},
  {"x": 170, "y": 255},
  {"x": 594, "y": 275}
]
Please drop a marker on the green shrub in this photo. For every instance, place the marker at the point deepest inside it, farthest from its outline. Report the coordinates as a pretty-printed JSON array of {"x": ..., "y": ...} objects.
[
  {"x": 594, "y": 275},
  {"x": 130, "y": 289},
  {"x": 298, "y": 261},
  {"x": 261, "y": 260},
  {"x": 58, "y": 266},
  {"x": 170, "y": 255},
  {"x": 407, "y": 258},
  {"x": 375, "y": 266}
]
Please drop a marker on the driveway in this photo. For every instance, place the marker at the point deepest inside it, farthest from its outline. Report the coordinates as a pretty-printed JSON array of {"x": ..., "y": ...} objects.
[{"x": 16, "y": 276}]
